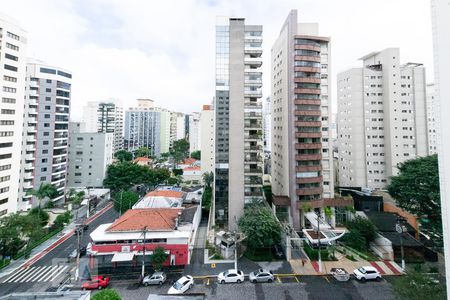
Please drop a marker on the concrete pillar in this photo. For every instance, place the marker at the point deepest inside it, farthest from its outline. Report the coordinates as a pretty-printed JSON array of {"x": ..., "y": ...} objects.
[
  {"x": 333, "y": 217},
  {"x": 288, "y": 248}
]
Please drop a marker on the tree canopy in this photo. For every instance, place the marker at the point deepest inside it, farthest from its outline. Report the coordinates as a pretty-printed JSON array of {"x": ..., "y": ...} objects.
[
  {"x": 142, "y": 152},
  {"x": 45, "y": 190},
  {"x": 159, "y": 256},
  {"x": 208, "y": 178},
  {"x": 106, "y": 294},
  {"x": 125, "y": 200},
  {"x": 418, "y": 286},
  {"x": 260, "y": 227},
  {"x": 361, "y": 233},
  {"x": 416, "y": 189},
  {"x": 180, "y": 150},
  {"x": 196, "y": 154},
  {"x": 123, "y": 155}
]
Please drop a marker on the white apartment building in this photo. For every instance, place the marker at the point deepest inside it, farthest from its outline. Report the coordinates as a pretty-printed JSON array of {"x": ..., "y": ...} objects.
[
  {"x": 440, "y": 10},
  {"x": 267, "y": 112},
  {"x": 302, "y": 155},
  {"x": 177, "y": 130},
  {"x": 13, "y": 43},
  {"x": 90, "y": 153},
  {"x": 106, "y": 117},
  {"x": 207, "y": 129},
  {"x": 46, "y": 131},
  {"x": 432, "y": 119},
  {"x": 382, "y": 119},
  {"x": 194, "y": 132},
  {"x": 239, "y": 119}
]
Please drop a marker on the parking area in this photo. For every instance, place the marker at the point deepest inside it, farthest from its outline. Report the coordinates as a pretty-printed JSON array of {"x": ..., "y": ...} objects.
[{"x": 284, "y": 287}]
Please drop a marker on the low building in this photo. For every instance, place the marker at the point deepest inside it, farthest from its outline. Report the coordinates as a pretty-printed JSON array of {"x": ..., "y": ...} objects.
[
  {"x": 161, "y": 199},
  {"x": 144, "y": 161},
  {"x": 192, "y": 175},
  {"x": 122, "y": 243}
]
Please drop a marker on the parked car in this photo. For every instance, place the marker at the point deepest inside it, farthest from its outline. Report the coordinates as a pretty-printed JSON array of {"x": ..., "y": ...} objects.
[
  {"x": 97, "y": 282},
  {"x": 277, "y": 251},
  {"x": 73, "y": 254},
  {"x": 155, "y": 278},
  {"x": 261, "y": 275},
  {"x": 231, "y": 276},
  {"x": 367, "y": 273},
  {"x": 181, "y": 285}
]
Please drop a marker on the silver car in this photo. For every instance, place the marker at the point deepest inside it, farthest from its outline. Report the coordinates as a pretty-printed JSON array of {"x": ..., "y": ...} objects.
[
  {"x": 261, "y": 275},
  {"x": 156, "y": 278}
]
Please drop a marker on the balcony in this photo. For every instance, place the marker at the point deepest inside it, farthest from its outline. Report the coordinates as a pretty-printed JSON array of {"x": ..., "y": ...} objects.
[
  {"x": 27, "y": 185},
  {"x": 28, "y": 176},
  {"x": 248, "y": 104},
  {"x": 307, "y": 47},
  {"x": 257, "y": 171},
  {"x": 255, "y": 125},
  {"x": 308, "y": 168},
  {"x": 308, "y": 113},
  {"x": 254, "y": 137},
  {"x": 307, "y": 80},
  {"x": 253, "y": 61},
  {"x": 254, "y": 182},
  {"x": 32, "y": 102},
  {"x": 310, "y": 180},
  {"x": 256, "y": 94},
  {"x": 253, "y": 148},
  {"x": 30, "y": 147},
  {"x": 309, "y": 191},
  {"x": 31, "y": 120},
  {"x": 32, "y": 111},
  {"x": 28, "y": 166},
  {"x": 307, "y": 58},
  {"x": 29, "y": 157},
  {"x": 253, "y": 50},
  {"x": 308, "y": 134},
  {"x": 253, "y": 115},
  {"x": 31, "y": 138},
  {"x": 308, "y": 124},
  {"x": 308, "y": 101},
  {"x": 308, "y": 91},
  {"x": 253, "y": 194},
  {"x": 308, "y": 157},
  {"x": 307, "y": 69},
  {"x": 253, "y": 159},
  {"x": 308, "y": 146}
]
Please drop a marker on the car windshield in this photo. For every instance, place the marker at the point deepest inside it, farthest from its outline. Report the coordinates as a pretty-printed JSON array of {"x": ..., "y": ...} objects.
[
  {"x": 226, "y": 273},
  {"x": 177, "y": 285},
  {"x": 362, "y": 270}
]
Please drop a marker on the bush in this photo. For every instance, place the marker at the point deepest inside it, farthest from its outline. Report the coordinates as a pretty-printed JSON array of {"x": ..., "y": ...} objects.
[
  {"x": 313, "y": 254},
  {"x": 350, "y": 257},
  {"x": 172, "y": 181},
  {"x": 4, "y": 263},
  {"x": 107, "y": 294},
  {"x": 62, "y": 219},
  {"x": 177, "y": 172},
  {"x": 206, "y": 198},
  {"x": 41, "y": 214}
]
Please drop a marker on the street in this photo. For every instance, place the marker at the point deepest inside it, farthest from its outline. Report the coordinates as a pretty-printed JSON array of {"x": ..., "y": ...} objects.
[
  {"x": 289, "y": 288},
  {"x": 52, "y": 268}
]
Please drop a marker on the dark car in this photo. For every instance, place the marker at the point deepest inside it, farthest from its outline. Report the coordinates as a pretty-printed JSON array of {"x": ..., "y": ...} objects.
[
  {"x": 73, "y": 254},
  {"x": 277, "y": 251}
]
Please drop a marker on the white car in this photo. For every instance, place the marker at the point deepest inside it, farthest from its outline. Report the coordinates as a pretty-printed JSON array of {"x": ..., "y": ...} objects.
[
  {"x": 231, "y": 276},
  {"x": 181, "y": 285},
  {"x": 367, "y": 273}
]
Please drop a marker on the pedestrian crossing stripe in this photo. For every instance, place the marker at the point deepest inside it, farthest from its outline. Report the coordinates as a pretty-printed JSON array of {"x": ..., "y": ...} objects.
[{"x": 37, "y": 274}]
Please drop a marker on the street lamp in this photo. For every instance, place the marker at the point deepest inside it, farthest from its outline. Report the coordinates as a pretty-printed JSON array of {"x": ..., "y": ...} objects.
[{"x": 401, "y": 228}]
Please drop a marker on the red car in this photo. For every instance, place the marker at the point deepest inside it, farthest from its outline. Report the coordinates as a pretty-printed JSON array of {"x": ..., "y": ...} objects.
[{"x": 97, "y": 282}]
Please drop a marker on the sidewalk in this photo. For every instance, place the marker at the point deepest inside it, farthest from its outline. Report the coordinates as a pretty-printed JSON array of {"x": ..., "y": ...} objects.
[{"x": 51, "y": 243}]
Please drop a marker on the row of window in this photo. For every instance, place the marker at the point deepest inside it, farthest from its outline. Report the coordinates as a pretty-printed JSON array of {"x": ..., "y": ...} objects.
[
  {"x": 8, "y": 111},
  {"x": 6, "y": 133},
  {"x": 9, "y": 89}
]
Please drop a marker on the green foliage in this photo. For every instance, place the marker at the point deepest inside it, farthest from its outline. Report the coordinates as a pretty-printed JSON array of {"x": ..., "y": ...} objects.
[
  {"x": 260, "y": 227},
  {"x": 416, "y": 189},
  {"x": 45, "y": 190},
  {"x": 350, "y": 257},
  {"x": 142, "y": 152},
  {"x": 208, "y": 178},
  {"x": 123, "y": 156},
  {"x": 364, "y": 227},
  {"x": 355, "y": 240},
  {"x": 415, "y": 285},
  {"x": 62, "y": 219},
  {"x": 207, "y": 197},
  {"x": 196, "y": 155},
  {"x": 313, "y": 254},
  {"x": 159, "y": 256},
  {"x": 4, "y": 263},
  {"x": 180, "y": 150},
  {"x": 106, "y": 294},
  {"x": 39, "y": 214},
  {"x": 75, "y": 197},
  {"x": 268, "y": 193},
  {"x": 125, "y": 200},
  {"x": 177, "y": 172},
  {"x": 259, "y": 255},
  {"x": 172, "y": 181}
]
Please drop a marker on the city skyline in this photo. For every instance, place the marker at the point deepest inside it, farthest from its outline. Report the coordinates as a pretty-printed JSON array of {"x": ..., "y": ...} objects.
[{"x": 152, "y": 62}]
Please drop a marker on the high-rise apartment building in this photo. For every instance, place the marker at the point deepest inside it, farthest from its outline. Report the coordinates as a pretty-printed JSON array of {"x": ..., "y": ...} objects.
[
  {"x": 143, "y": 129},
  {"x": 302, "y": 161},
  {"x": 46, "y": 131},
  {"x": 176, "y": 127},
  {"x": 208, "y": 133},
  {"x": 267, "y": 112},
  {"x": 238, "y": 109},
  {"x": 106, "y": 117},
  {"x": 90, "y": 153},
  {"x": 13, "y": 43},
  {"x": 382, "y": 118},
  {"x": 194, "y": 132},
  {"x": 441, "y": 43},
  {"x": 432, "y": 119}
]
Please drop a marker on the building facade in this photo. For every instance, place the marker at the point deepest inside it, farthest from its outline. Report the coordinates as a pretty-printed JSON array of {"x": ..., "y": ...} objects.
[
  {"x": 207, "y": 138},
  {"x": 90, "y": 153},
  {"x": 302, "y": 161},
  {"x": 238, "y": 109},
  {"x": 382, "y": 119},
  {"x": 194, "y": 132},
  {"x": 440, "y": 11},
  {"x": 176, "y": 127},
  {"x": 143, "y": 129},
  {"x": 432, "y": 119},
  {"x": 105, "y": 117},
  {"x": 46, "y": 131},
  {"x": 13, "y": 43},
  {"x": 267, "y": 111}
]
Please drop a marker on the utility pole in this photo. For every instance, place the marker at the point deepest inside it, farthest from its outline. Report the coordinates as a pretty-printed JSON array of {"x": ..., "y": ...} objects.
[
  {"x": 401, "y": 229},
  {"x": 143, "y": 255},
  {"x": 77, "y": 270},
  {"x": 318, "y": 239}
]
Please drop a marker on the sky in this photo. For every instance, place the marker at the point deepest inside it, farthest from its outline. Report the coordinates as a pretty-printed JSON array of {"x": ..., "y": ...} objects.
[{"x": 165, "y": 50}]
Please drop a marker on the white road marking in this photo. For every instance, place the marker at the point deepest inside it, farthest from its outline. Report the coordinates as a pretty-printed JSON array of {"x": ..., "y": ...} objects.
[
  {"x": 30, "y": 274},
  {"x": 49, "y": 268},
  {"x": 59, "y": 273},
  {"x": 23, "y": 274},
  {"x": 50, "y": 275},
  {"x": 13, "y": 276}
]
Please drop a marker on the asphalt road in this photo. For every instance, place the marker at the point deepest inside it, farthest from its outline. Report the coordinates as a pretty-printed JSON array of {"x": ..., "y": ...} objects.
[{"x": 52, "y": 268}]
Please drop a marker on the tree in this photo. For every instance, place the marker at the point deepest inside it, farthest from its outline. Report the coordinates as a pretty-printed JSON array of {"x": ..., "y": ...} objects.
[
  {"x": 418, "y": 286},
  {"x": 416, "y": 189},
  {"x": 207, "y": 197},
  {"x": 196, "y": 154},
  {"x": 125, "y": 200},
  {"x": 159, "y": 256},
  {"x": 75, "y": 197},
  {"x": 260, "y": 227},
  {"x": 11, "y": 237},
  {"x": 123, "y": 156},
  {"x": 180, "y": 150},
  {"x": 40, "y": 216},
  {"x": 107, "y": 294},
  {"x": 268, "y": 193},
  {"x": 361, "y": 233},
  {"x": 208, "y": 178},
  {"x": 142, "y": 152},
  {"x": 45, "y": 190}
]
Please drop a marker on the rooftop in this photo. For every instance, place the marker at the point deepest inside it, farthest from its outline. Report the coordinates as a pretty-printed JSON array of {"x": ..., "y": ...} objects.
[
  {"x": 165, "y": 193},
  {"x": 156, "y": 219}
]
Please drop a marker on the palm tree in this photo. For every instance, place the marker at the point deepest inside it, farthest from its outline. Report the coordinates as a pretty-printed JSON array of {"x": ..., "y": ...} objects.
[
  {"x": 208, "y": 178},
  {"x": 45, "y": 190},
  {"x": 75, "y": 197}
]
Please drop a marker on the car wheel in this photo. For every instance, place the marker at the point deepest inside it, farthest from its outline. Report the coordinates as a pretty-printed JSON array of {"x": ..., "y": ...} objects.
[
  {"x": 363, "y": 279},
  {"x": 254, "y": 281},
  {"x": 270, "y": 280},
  {"x": 222, "y": 281},
  {"x": 146, "y": 284},
  {"x": 378, "y": 278},
  {"x": 160, "y": 283},
  {"x": 238, "y": 281}
]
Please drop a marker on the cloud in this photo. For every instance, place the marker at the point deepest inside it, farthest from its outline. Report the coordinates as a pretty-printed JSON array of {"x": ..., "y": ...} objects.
[{"x": 165, "y": 50}]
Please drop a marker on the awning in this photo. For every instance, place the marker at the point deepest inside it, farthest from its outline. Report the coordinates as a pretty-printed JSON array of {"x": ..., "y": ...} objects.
[
  {"x": 122, "y": 256},
  {"x": 312, "y": 218}
]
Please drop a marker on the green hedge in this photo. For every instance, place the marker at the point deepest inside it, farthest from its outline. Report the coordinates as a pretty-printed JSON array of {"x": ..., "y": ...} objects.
[
  {"x": 4, "y": 263},
  {"x": 36, "y": 243},
  {"x": 313, "y": 254}
]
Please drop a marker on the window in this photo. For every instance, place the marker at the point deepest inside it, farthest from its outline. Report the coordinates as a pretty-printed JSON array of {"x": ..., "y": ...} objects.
[
  {"x": 64, "y": 74},
  {"x": 47, "y": 116},
  {"x": 5, "y": 167},
  {"x": 45, "y": 151},
  {"x": 10, "y": 68},
  {"x": 49, "y": 81},
  {"x": 43, "y": 178},
  {"x": 8, "y": 100},
  {"x": 12, "y": 35},
  {"x": 47, "y": 107},
  {"x": 8, "y": 111},
  {"x": 46, "y": 134},
  {"x": 48, "y": 90},
  {"x": 45, "y": 143},
  {"x": 9, "y": 89},
  {"x": 4, "y": 190},
  {"x": 3, "y": 212},
  {"x": 77, "y": 174},
  {"x": 5, "y": 156},
  {"x": 11, "y": 57},
  {"x": 48, "y": 99},
  {"x": 46, "y": 124},
  {"x": 5, "y": 145},
  {"x": 48, "y": 71},
  {"x": 3, "y": 201},
  {"x": 11, "y": 46},
  {"x": 9, "y": 78},
  {"x": 5, "y": 178},
  {"x": 6, "y": 133},
  {"x": 44, "y": 160}
]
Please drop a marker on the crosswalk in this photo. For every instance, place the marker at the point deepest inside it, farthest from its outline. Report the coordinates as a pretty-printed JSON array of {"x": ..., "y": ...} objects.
[{"x": 37, "y": 274}]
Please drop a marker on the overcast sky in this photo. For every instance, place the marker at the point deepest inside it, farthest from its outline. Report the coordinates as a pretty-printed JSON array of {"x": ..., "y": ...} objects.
[{"x": 164, "y": 50}]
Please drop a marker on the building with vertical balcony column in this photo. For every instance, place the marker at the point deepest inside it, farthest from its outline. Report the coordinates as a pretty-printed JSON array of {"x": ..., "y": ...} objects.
[
  {"x": 238, "y": 110},
  {"x": 105, "y": 117},
  {"x": 208, "y": 133},
  {"x": 13, "y": 43},
  {"x": 432, "y": 119},
  {"x": 382, "y": 119},
  {"x": 194, "y": 132},
  {"x": 267, "y": 110},
  {"x": 176, "y": 127},
  {"x": 46, "y": 130},
  {"x": 302, "y": 161}
]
